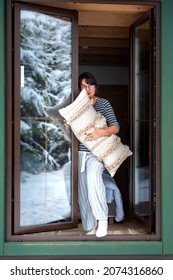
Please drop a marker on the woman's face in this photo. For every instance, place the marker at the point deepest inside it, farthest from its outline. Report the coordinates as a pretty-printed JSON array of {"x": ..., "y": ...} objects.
[{"x": 90, "y": 89}]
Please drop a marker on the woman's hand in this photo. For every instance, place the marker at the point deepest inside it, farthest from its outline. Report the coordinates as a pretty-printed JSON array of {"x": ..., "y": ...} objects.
[
  {"x": 94, "y": 135},
  {"x": 100, "y": 132}
]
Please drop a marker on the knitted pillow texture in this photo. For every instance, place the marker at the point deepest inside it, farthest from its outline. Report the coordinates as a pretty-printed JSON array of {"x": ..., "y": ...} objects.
[{"x": 82, "y": 118}]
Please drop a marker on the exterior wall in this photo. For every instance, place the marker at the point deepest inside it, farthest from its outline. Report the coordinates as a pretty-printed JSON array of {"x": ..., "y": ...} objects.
[
  {"x": 2, "y": 125},
  {"x": 166, "y": 124},
  {"x": 163, "y": 247}
]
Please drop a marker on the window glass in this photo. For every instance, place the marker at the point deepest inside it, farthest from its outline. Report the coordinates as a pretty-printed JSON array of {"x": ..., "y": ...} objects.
[
  {"x": 45, "y": 145},
  {"x": 141, "y": 152}
]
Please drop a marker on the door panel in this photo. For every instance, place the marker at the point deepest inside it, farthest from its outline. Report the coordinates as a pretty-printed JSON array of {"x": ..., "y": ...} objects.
[
  {"x": 143, "y": 119},
  {"x": 45, "y": 181}
]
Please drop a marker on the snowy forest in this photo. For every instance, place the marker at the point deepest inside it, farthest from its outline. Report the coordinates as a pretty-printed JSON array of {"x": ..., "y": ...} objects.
[{"x": 45, "y": 58}]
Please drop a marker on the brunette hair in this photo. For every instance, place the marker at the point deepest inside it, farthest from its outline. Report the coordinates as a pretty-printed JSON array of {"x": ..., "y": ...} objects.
[{"x": 90, "y": 79}]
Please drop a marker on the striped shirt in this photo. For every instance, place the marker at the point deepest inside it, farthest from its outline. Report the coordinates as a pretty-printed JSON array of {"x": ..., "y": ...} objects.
[{"x": 104, "y": 107}]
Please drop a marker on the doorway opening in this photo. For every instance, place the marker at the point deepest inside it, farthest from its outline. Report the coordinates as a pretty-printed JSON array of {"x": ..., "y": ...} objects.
[{"x": 109, "y": 50}]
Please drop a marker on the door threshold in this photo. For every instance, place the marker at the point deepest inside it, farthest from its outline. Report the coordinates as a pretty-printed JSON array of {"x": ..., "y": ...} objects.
[{"x": 126, "y": 230}]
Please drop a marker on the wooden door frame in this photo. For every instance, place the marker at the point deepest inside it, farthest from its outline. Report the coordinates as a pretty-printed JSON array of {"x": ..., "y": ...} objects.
[{"x": 13, "y": 161}]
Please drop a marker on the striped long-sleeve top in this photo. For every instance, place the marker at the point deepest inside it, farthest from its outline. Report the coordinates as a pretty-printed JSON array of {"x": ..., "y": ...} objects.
[{"x": 104, "y": 107}]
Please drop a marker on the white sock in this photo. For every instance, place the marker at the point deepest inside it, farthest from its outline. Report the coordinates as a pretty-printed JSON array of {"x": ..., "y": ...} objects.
[{"x": 102, "y": 228}]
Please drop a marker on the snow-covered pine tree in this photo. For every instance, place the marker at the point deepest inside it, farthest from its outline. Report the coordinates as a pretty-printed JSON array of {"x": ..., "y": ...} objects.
[{"x": 45, "y": 53}]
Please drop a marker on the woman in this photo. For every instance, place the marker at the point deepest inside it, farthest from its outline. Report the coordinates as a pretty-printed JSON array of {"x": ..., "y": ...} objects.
[{"x": 92, "y": 191}]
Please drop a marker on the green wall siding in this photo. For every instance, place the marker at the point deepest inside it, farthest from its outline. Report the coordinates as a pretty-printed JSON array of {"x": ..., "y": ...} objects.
[
  {"x": 167, "y": 124},
  {"x": 165, "y": 246},
  {"x": 2, "y": 126},
  {"x": 105, "y": 248}
]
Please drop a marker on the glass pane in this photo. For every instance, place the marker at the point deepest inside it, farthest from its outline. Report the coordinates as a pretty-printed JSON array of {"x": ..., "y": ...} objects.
[
  {"x": 45, "y": 59},
  {"x": 141, "y": 153}
]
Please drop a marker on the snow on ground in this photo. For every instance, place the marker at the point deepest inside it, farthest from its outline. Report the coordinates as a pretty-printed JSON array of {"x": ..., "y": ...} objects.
[{"x": 43, "y": 198}]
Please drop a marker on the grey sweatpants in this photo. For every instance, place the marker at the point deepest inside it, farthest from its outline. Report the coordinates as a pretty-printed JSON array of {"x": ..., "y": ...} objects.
[{"x": 91, "y": 191}]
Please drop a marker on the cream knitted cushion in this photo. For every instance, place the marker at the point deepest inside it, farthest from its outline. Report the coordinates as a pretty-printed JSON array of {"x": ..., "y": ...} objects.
[{"x": 82, "y": 117}]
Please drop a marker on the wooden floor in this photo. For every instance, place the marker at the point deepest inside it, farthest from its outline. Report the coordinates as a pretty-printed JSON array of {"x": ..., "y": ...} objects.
[{"x": 131, "y": 227}]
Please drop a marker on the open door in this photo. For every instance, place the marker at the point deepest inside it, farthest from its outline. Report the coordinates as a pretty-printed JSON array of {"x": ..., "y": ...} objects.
[
  {"x": 143, "y": 119},
  {"x": 45, "y": 74}
]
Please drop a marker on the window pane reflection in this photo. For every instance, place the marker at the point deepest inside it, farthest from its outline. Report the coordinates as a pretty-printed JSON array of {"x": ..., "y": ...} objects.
[{"x": 45, "y": 58}]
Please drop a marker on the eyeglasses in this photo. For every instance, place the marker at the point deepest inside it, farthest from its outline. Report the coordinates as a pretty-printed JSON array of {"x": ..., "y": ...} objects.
[{"x": 85, "y": 86}]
